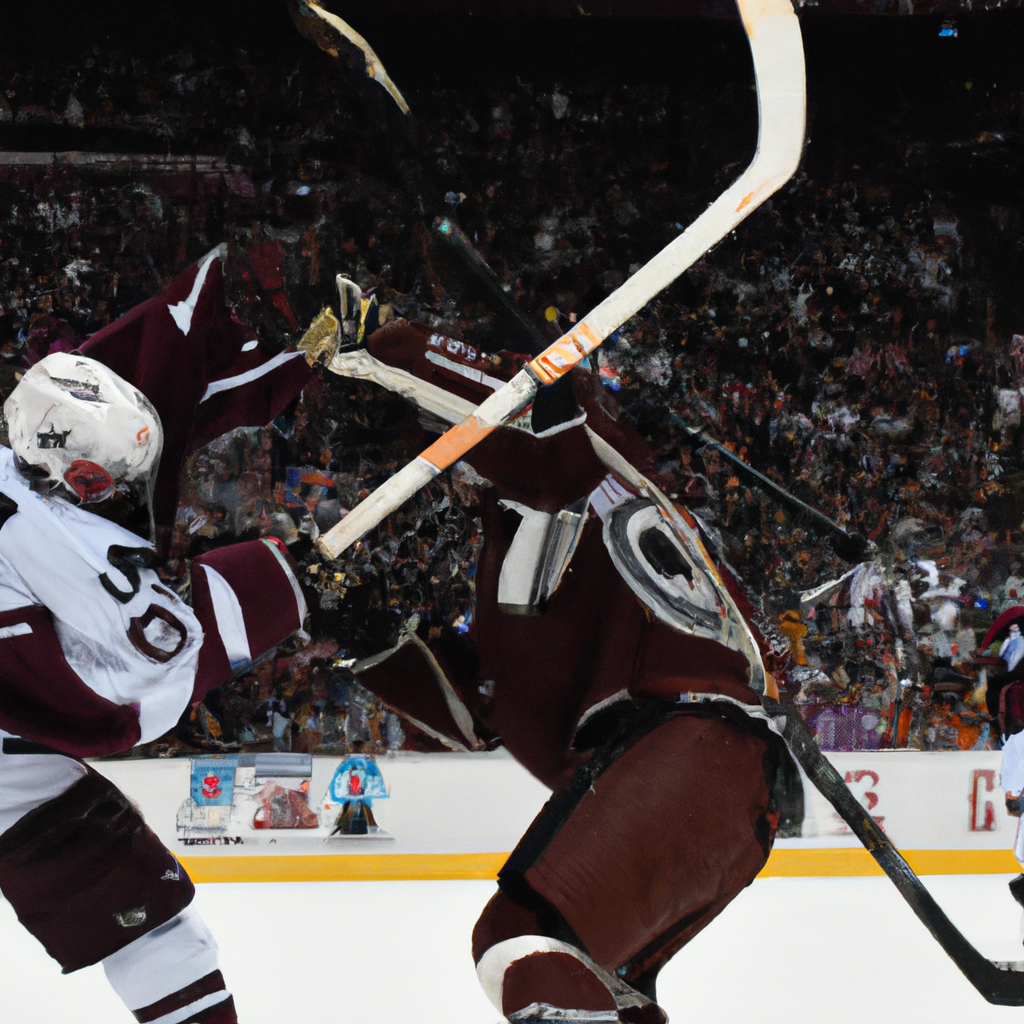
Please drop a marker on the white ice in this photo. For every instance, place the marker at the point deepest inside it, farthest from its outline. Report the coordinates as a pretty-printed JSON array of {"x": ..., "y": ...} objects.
[{"x": 791, "y": 951}]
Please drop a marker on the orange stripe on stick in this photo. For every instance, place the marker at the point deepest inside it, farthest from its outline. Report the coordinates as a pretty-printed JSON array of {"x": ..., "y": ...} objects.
[
  {"x": 559, "y": 358},
  {"x": 451, "y": 446}
]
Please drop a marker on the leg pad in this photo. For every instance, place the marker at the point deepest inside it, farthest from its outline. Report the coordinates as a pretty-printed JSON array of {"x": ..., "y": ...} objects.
[
  {"x": 527, "y": 972},
  {"x": 556, "y": 978}
]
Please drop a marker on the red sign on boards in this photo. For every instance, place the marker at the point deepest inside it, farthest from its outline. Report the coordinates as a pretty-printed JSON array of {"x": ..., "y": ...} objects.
[{"x": 983, "y": 812}]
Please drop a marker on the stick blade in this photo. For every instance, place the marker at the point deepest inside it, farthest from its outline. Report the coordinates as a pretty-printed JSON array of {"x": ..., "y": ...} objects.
[{"x": 1002, "y": 983}]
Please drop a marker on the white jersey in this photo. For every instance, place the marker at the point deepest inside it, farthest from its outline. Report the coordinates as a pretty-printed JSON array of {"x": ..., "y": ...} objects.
[
  {"x": 1011, "y": 778},
  {"x": 1012, "y": 650},
  {"x": 129, "y": 638},
  {"x": 1011, "y": 768}
]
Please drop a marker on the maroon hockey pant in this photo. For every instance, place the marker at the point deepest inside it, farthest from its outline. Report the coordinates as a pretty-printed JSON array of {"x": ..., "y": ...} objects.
[{"x": 648, "y": 843}]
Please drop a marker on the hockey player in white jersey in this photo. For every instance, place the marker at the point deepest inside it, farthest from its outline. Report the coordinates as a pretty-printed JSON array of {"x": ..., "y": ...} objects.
[{"x": 98, "y": 654}]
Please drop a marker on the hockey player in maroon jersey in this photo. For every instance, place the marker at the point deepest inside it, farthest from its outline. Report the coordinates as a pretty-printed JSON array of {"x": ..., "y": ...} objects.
[
  {"x": 98, "y": 654},
  {"x": 614, "y": 661}
]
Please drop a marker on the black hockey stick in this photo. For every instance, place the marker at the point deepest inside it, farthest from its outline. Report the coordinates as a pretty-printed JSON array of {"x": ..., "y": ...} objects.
[
  {"x": 851, "y": 547},
  {"x": 1001, "y": 983},
  {"x": 457, "y": 241}
]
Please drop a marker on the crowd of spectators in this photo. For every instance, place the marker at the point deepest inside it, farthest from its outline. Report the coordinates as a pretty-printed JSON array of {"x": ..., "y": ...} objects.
[{"x": 860, "y": 339}]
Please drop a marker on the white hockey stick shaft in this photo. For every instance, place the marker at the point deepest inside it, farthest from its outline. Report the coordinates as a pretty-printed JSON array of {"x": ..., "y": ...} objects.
[{"x": 773, "y": 32}]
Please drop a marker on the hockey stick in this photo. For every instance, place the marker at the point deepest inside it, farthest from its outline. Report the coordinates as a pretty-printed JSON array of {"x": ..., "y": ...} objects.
[
  {"x": 477, "y": 266},
  {"x": 1001, "y": 983},
  {"x": 305, "y": 14},
  {"x": 773, "y": 32},
  {"x": 849, "y": 546}
]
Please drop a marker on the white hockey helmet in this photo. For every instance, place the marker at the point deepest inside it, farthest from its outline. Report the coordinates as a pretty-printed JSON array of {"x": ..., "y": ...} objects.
[{"x": 74, "y": 422}]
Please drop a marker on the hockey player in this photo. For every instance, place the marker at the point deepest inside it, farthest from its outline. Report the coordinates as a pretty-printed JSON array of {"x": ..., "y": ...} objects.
[
  {"x": 98, "y": 654},
  {"x": 1005, "y": 696},
  {"x": 613, "y": 660},
  {"x": 1006, "y": 700}
]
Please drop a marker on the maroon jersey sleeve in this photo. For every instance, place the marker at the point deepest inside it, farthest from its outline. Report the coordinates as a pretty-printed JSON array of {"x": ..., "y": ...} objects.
[
  {"x": 248, "y": 599},
  {"x": 546, "y": 471},
  {"x": 44, "y": 700}
]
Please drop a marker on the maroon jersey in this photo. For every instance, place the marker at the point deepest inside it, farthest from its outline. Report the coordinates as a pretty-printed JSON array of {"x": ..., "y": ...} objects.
[{"x": 587, "y": 594}]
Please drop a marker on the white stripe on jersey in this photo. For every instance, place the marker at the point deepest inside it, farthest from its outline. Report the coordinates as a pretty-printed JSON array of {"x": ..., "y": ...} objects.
[
  {"x": 18, "y": 629},
  {"x": 230, "y": 620}
]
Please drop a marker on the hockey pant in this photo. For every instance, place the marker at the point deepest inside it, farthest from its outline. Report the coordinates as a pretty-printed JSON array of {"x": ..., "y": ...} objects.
[
  {"x": 658, "y": 831},
  {"x": 93, "y": 883}
]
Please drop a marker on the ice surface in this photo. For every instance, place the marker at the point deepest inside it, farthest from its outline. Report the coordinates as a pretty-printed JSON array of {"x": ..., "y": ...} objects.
[{"x": 793, "y": 951}]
